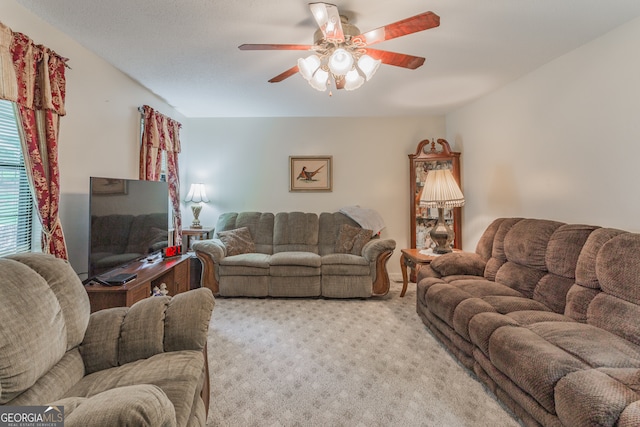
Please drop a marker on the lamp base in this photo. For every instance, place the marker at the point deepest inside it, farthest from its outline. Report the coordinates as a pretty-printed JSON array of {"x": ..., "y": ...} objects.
[
  {"x": 196, "y": 208},
  {"x": 442, "y": 235}
]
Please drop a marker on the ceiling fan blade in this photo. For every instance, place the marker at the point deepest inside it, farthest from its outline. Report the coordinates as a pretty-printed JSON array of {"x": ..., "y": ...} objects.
[
  {"x": 328, "y": 19},
  {"x": 411, "y": 25},
  {"x": 280, "y": 77},
  {"x": 398, "y": 59},
  {"x": 274, "y": 47}
]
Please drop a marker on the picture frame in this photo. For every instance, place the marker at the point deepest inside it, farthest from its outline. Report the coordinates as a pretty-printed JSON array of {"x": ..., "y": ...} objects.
[
  {"x": 310, "y": 173},
  {"x": 108, "y": 186}
]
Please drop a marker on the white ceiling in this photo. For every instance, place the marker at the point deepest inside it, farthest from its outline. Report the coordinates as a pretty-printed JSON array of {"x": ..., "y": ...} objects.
[{"x": 186, "y": 51}]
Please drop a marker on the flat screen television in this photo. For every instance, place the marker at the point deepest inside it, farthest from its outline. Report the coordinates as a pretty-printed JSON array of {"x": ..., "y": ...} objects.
[{"x": 129, "y": 219}]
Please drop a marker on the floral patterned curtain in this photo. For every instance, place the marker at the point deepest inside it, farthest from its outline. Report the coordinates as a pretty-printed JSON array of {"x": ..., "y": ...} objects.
[
  {"x": 39, "y": 93},
  {"x": 162, "y": 133}
]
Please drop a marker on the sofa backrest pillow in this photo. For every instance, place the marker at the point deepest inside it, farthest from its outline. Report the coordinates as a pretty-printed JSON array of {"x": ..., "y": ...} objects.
[
  {"x": 618, "y": 270},
  {"x": 45, "y": 314},
  {"x": 329, "y": 229},
  {"x": 295, "y": 231}
]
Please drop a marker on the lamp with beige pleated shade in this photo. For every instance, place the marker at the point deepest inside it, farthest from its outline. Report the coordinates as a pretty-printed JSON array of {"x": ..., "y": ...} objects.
[{"x": 441, "y": 191}]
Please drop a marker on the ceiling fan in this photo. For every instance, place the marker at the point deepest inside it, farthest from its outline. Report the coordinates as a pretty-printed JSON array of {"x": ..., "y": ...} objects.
[{"x": 342, "y": 53}]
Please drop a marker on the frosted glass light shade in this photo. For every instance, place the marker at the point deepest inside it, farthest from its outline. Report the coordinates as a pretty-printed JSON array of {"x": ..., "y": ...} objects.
[
  {"x": 368, "y": 66},
  {"x": 353, "y": 80},
  {"x": 340, "y": 62},
  {"x": 441, "y": 190},
  {"x": 308, "y": 66},
  {"x": 319, "y": 80},
  {"x": 197, "y": 194}
]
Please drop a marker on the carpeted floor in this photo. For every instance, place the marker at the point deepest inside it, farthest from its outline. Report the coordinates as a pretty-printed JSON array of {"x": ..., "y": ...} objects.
[{"x": 316, "y": 362}]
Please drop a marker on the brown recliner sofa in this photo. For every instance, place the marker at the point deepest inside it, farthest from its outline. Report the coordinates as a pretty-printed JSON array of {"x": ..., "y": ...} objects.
[
  {"x": 547, "y": 315},
  {"x": 140, "y": 366}
]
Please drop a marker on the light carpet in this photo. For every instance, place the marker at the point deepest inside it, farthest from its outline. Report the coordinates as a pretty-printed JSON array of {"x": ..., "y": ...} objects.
[{"x": 317, "y": 362}]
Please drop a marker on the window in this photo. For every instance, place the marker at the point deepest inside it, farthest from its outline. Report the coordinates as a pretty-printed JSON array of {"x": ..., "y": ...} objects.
[{"x": 18, "y": 218}]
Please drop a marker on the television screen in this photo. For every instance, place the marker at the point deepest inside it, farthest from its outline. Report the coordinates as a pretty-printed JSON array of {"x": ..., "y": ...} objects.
[{"x": 129, "y": 220}]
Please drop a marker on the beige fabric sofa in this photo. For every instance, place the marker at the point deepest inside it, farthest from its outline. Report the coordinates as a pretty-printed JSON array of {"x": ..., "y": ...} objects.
[
  {"x": 295, "y": 254},
  {"x": 547, "y": 315},
  {"x": 143, "y": 366}
]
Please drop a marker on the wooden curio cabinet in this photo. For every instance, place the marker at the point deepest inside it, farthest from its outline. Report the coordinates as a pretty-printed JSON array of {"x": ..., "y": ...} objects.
[{"x": 432, "y": 155}]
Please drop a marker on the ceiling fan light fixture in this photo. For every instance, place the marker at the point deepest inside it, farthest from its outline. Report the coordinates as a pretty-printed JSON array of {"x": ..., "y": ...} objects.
[
  {"x": 340, "y": 62},
  {"x": 368, "y": 66},
  {"x": 353, "y": 80},
  {"x": 308, "y": 66},
  {"x": 319, "y": 80}
]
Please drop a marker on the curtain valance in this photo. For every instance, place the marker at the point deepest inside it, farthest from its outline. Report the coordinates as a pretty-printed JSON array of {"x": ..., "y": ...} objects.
[
  {"x": 33, "y": 76},
  {"x": 160, "y": 132}
]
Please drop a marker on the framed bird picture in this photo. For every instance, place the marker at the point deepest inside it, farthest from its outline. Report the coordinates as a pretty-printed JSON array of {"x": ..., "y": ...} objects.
[{"x": 310, "y": 173}]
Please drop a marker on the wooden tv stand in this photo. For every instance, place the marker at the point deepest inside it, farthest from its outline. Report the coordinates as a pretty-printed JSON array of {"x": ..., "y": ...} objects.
[{"x": 174, "y": 272}]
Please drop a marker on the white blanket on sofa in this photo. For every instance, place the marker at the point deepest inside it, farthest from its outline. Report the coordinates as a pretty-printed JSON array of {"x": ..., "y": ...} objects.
[{"x": 367, "y": 218}]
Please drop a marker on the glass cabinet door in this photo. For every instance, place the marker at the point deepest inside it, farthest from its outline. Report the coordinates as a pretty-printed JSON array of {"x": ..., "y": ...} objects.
[{"x": 428, "y": 157}]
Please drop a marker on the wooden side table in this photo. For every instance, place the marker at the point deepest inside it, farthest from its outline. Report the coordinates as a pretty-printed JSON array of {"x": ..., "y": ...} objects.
[
  {"x": 200, "y": 233},
  {"x": 411, "y": 258}
]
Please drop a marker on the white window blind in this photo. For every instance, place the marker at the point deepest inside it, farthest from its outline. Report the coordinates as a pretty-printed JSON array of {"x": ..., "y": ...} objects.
[{"x": 17, "y": 214}]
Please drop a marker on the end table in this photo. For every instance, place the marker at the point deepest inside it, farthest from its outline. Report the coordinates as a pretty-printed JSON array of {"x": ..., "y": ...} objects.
[
  {"x": 412, "y": 258},
  {"x": 198, "y": 233}
]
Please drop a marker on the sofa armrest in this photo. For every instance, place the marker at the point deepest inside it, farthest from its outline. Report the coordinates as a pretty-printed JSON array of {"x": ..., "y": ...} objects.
[
  {"x": 136, "y": 405},
  {"x": 154, "y": 325},
  {"x": 211, "y": 247},
  {"x": 373, "y": 248},
  {"x": 210, "y": 252},
  {"x": 458, "y": 263}
]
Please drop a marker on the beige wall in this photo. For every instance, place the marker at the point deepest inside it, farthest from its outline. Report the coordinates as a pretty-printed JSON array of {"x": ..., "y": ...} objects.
[
  {"x": 244, "y": 163},
  {"x": 99, "y": 135},
  {"x": 561, "y": 143}
]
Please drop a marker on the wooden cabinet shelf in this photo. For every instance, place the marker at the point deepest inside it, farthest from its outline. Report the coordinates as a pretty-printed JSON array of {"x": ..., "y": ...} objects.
[
  {"x": 174, "y": 272},
  {"x": 426, "y": 158}
]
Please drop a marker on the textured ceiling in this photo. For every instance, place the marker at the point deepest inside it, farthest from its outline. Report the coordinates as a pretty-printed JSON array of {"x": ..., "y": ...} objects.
[{"x": 186, "y": 51}]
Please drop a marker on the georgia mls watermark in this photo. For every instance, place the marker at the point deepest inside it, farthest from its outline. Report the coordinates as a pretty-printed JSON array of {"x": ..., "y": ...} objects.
[{"x": 31, "y": 416}]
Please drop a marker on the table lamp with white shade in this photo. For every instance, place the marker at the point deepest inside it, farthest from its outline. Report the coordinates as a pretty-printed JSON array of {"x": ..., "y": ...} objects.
[
  {"x": 197, "y": 195},
  {"x": 441, "y": 191}
]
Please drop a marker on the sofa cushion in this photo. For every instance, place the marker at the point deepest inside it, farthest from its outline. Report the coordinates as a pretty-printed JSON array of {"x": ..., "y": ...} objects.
[
  {"x": 136, "y": 405},
  {"x": 306, "y": 259},
  {"x": 598, "y": 397},
  {"x": 345, "y": 265},
  {"x": 237, "y": 241},
  {"x": 253, "y": 264},
  {"x": 594, "y": 346},
  {"x": 518, "y": 352},
  {"x": 178, "y": 374},
  {"x": 351, "y": 239}
]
